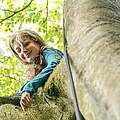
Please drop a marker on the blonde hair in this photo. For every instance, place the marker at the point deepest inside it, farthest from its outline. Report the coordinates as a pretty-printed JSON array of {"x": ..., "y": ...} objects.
[{"x": 32, "y": 35}]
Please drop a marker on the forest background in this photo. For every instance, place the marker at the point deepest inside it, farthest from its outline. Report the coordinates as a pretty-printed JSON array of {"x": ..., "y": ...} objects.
[{"x": 42, "y": 16}]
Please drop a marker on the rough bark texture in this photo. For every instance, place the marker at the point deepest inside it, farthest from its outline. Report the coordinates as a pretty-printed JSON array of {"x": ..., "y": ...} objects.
[
  {"x": 52, "y": 102},
  {"x": 93, "y": 34}
]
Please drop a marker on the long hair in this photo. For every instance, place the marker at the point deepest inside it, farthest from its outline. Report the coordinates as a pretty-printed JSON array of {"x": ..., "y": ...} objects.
[{"x": 31, "y": 69}]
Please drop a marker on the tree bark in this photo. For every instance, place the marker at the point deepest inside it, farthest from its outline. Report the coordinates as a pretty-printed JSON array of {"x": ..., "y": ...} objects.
[{"x": 93, "y": 34}]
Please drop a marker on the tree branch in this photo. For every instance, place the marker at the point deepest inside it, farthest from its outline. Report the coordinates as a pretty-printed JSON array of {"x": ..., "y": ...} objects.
[
  {"x": 7, "y": 76},
  {"x": 16, "y": 12},
  {"x": 42, "y": 9},
  {"x": 13, "y": 99},
  {"x": 46, "y": 16},
  {"x": 7, "y": 10}
]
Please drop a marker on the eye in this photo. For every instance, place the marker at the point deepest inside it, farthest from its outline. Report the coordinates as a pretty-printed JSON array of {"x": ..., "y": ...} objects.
[
  {"x": 18, "y": 50},
  {"x": 26, "y": 43},
  {"x": 22, "y": 56}
]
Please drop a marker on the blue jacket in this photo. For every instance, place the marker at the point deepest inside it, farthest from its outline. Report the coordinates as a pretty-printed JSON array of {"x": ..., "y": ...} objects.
[{"x": 51, "y": 59}]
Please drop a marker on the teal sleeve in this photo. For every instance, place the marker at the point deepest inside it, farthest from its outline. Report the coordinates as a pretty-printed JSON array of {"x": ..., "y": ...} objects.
[{"x": 52, "y": 58}]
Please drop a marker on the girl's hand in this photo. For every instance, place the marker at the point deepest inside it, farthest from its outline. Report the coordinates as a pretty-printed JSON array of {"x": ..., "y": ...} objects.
[{"x": 25, "y": 101}]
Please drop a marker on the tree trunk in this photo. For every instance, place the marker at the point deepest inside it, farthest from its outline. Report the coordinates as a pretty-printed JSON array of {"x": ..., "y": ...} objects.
[{"x": 93, "y": 34}]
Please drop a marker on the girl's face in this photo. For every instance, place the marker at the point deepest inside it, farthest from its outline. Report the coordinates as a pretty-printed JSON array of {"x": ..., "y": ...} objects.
[{"x": 27, "y": 50}]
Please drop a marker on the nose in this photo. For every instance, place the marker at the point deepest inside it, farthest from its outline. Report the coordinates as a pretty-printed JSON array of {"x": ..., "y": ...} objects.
[{"x": 24, "y": 50}]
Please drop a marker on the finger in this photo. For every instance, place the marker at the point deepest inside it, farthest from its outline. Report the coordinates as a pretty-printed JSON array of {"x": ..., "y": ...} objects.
[
  {"x": 23, "y": 107},
  {"x": 29, "y": 100},
  {"x": 25, "y": 99},
  {"x": 26, "y": 95},
  {"x": 25, "y": 103}
]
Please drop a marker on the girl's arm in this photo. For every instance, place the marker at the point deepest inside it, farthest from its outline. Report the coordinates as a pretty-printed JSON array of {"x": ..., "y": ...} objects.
[{"x": 52, "y": 58}]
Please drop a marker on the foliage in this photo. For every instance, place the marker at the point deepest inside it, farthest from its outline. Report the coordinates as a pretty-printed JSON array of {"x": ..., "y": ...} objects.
[{"x": 42, "y": 16}]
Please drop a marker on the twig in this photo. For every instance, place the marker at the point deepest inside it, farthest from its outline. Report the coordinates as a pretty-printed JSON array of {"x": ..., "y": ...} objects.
[
  {"x": 46, "y": 16},
  {"x": 7, "y": 10},
  {"x": 16, "y": 12},
  {"x": 7, "y": 76},
  {"x": 42, "y": 9}
]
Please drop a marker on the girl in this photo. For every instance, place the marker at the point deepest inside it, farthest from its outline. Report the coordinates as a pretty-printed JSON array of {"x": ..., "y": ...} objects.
[{"x": 39, "y": 61}]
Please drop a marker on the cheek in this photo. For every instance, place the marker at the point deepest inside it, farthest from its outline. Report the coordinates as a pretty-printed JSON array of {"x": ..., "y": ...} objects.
[{"x": 35, "y": 49}]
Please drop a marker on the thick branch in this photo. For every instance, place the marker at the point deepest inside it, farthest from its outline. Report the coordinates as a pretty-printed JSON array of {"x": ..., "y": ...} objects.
[{"x": 14, "y": 99}]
